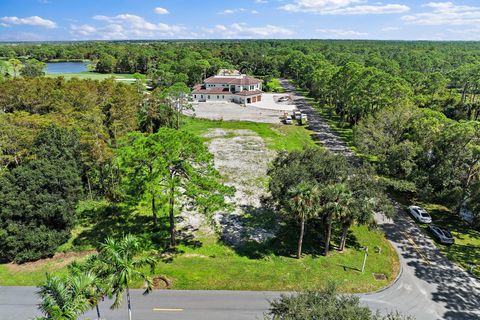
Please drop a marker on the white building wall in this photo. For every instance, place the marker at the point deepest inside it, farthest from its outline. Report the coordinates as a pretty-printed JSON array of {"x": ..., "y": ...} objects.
[{"x": 214, "y": 97}]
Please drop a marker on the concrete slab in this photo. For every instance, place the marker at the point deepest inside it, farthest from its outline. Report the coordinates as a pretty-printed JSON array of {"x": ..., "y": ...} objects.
[
  {"x": 270, "y": 101},
  {"x": 234, "y": 112}
]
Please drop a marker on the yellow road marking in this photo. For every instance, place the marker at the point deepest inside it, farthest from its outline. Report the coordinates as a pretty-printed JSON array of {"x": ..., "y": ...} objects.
[
  {"x": 415, "y": 246},
  {"x": 167, "y": 309}
]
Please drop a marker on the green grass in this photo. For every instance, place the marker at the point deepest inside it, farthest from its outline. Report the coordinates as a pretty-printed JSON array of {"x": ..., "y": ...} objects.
[
  {"x": 91, "y": 75},
  {"x": 276, "y": 137},
  {"x": 207, "y": 263},
  {"x": 86, "y": 75},
  {"x": 216, "y": 266},
  {"x": 466, "y": 250}
]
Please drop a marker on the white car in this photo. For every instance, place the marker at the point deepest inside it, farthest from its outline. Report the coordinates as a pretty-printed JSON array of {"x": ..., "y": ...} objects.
[{"x": 420, "y": 214}]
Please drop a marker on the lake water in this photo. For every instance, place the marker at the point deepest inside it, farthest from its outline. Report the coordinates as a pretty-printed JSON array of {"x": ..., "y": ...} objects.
[{"x": 66, "y": 67}]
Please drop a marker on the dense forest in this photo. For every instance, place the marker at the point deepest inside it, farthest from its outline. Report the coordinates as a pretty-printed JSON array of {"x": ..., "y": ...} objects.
[{"x": 413, "y": 107}]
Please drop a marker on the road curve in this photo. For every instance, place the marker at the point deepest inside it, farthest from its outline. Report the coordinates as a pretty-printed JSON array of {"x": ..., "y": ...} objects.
[{"x": 430, "y": 286}]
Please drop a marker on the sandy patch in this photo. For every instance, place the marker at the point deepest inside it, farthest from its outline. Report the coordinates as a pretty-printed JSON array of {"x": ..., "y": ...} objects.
[
  {"x": 242, "y": 159},
  {"x": 59, "y": 260}
]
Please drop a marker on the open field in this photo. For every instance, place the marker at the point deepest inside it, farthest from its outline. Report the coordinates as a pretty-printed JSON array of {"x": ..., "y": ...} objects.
[
  {"x": 205, "y": 260},
  {"x": 87, "y": 75},
  {"x": 93, "y": 76}
]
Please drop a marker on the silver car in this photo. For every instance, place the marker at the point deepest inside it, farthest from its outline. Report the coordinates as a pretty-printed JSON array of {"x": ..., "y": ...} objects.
[
  {"x": 442, "y": 235},
  {"x": 420, "y": 214}
]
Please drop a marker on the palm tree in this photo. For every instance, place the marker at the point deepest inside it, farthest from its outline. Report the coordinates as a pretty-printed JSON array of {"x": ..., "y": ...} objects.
[
  {"x": 98, "y": 286},
  {"x": 119, "y": 262},
  {"x": 303, "y": 204},
  {"x": 336, "y": 201},
  {"x": 65, "y": 298},
  {"x": 16, "y": 65}
]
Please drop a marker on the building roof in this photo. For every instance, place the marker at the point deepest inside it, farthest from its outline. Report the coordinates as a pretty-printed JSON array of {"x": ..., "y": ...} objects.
[
  {"x": 201, "y": 90},
  {"x": 248, "y": 93},
  {"x": 240, "y": 80}
]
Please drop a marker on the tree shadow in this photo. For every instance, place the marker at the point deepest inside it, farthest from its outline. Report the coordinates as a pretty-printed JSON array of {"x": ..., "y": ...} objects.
[
  {"x": 284, "y": 240},
  {"x": 116, "y": 220},
  {"x": 455, "y": 289}
]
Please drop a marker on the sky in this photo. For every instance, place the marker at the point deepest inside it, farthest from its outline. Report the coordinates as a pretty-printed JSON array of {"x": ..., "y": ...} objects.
[{"x": 59, "y": 20}]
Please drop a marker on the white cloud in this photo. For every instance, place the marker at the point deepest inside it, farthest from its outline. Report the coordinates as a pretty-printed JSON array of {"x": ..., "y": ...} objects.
[
  {"x": 466, "y": 34},
  {"x": 388, "y": 29},
  {"x": 237, "y": 10},
  {"x": 126, "y": 26},
  {"x": 242, "y": 30},
  {"x": 30, "y": 21},
  {"x": 261, "y": 1},
  {"x": 341, "y": 33},
  {"x": 343, "y": 7},
  {"x": 445, "y": 13},
  {"x": 159, "y": 10}
]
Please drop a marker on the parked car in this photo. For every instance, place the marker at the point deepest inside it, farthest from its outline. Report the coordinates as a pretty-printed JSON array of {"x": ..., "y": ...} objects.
[
  {"x": 283, "y": 99},
  {"x": 466, "y": 215},
  {"x": 442, "y": 235},
  {"x": 297, "y": 115},
  {"x": 288, "y": 120},
  {"x": 303, "y": 120},
  {"x": 420, "y": 214}
]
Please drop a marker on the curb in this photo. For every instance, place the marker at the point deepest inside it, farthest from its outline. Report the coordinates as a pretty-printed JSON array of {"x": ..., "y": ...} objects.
[{"x": 400, "y": 273}]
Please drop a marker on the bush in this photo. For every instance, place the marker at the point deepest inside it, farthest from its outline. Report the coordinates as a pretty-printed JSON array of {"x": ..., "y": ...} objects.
[
  {"x": 324, "y": 304},
  {"x": 38, "y": 199}
]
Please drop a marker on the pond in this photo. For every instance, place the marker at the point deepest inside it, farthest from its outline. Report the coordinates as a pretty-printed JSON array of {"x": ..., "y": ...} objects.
[{"x": 66, "y": 67}]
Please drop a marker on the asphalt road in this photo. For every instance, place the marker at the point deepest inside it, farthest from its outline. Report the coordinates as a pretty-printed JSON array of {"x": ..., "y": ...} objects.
[{"x": 430, "y": 287}]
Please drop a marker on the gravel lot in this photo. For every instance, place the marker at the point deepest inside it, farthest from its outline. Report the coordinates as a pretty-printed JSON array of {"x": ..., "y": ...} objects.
[{"x": 242, "y": 158}]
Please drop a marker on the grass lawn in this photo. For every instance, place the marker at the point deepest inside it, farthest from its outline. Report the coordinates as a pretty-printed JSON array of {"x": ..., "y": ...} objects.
[
  {"x": 277, "y": 137},
  {"x": 205, "y": 262},
  {"x": 86, "y": 75},
  {"x": 91, "y": 75},
  {"x": 466, "y": 250},
  {"x": 216, "y": 266}
]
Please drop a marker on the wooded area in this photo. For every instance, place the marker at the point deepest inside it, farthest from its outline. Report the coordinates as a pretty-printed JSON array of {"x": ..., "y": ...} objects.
[{"x": 413, "y": 107}]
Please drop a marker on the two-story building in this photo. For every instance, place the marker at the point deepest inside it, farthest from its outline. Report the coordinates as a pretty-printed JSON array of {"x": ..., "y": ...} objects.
[{"x": 229, "y": 86}]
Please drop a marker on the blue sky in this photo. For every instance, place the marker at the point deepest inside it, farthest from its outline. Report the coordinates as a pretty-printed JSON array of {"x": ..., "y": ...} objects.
[{"x": 35, "y": 20}]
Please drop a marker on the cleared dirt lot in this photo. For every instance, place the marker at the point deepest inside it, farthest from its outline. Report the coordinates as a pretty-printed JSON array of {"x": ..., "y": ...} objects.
[{"x": 268, "y": 111}]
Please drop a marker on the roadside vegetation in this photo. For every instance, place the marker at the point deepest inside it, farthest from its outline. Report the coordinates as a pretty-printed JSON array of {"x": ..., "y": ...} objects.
[
  {"x": 324, "y": 304},
  {"x": 231, "y": 205}
]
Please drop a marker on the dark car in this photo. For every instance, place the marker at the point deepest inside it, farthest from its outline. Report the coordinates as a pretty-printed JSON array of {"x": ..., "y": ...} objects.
[{"x": 442, "y": 235}]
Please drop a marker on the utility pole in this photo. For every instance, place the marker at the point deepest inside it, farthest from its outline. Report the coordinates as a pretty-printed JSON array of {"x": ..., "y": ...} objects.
[{"x": 365, "y": 259}]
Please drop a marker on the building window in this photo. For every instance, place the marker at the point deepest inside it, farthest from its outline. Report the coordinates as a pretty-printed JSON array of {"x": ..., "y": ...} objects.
[
  {"x": 201, "y": 96},
  {"x": 195, "y": 96},
  {"x": 218, "y": 97},
  {"x": 223, "y": 97},
  {"x": 208, "y": 97}
]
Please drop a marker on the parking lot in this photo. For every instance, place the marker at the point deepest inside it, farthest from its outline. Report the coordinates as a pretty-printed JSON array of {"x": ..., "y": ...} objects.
[{"x": 269, "y": 110}]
